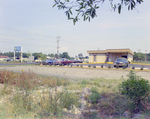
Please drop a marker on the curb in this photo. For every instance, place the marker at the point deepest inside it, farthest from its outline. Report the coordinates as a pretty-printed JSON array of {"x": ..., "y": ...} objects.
[
  {"x": 104, "y": 67},
  {"x": 140, "y": 63}
]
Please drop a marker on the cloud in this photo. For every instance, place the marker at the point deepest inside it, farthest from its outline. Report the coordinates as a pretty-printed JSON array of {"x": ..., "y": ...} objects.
[
  {"x": 64, "y": 49},
  {"x": 138, "y": 17},
  {"x": 110, "y": 25}
]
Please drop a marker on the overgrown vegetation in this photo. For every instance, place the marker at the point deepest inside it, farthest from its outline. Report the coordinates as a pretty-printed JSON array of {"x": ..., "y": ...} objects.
[
  {"x": 137, "y": 89},
  {"x": 29, "y": 95}
]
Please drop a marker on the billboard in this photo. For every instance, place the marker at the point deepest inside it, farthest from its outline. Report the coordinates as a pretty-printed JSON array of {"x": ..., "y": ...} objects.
[{"x": 17, "y": 48}]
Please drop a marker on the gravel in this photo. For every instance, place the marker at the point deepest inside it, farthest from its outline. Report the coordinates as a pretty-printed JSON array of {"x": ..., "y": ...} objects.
[{"x": 78, "y": 73}]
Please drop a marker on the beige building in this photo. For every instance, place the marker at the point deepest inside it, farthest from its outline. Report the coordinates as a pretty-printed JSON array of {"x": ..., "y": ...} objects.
[
  {"x": 109, "y": 55},
  {"x": 2, "y": 58}
]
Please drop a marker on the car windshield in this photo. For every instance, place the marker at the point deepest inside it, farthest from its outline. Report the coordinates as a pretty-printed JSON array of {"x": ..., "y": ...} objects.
[{"x": 121, "y": 59}]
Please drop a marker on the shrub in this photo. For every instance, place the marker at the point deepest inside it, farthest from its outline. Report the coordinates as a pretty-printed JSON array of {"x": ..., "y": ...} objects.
[
  {"x": 137, "y": 89},
  {"x": 84, "y": 82},
  {"x": 112, "y": 104},
  {"x": 26, "y": 80},
  {"x": 6, "y": 76},
  {"x": 69, "y": 99},
  {"x": 94, "y": 90},
  {"x": 90, "y": 115},
  {"x": 54, "y": 104},
  {"x": 97, "y": 84},
  {"x": 94, "y": 97}
]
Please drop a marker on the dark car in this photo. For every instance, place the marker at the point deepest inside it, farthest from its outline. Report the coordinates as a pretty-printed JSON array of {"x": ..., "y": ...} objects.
[
  {"x": 48, "y": 61},
  {"x": 9, "y": 60},
  {"x": 121, "y": 62}
]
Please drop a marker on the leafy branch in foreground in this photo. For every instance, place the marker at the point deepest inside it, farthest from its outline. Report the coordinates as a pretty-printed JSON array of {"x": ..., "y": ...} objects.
[{"x": 87, "y": 8}]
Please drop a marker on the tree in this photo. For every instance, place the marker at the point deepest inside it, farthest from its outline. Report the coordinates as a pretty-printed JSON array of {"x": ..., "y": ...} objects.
[
  {"x": 87, "y": 8},
  {"x": 138, "y": 56},
  {"x": 26, "y": 55},
  {"x": 65, "y": 55},
  {"x": 51, "y": 55},
  {"x": 86, "y": 57},
  {"x": 37, "y": 55},
  {"x": 148, "y": 56},
  {"x": 43, "y": 57},
  {"x": 80, "y": 56}
]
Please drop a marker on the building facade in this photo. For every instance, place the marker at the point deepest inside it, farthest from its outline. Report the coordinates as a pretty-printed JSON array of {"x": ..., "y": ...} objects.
[
  {"x": 109, "y": 55},
  {"x": 2, "y": 58}
]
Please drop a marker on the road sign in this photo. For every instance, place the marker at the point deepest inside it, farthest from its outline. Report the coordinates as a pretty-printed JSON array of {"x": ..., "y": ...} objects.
[{"x": 17, "y": 48}]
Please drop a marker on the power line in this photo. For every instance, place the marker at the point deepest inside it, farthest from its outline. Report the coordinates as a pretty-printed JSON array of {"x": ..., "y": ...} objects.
[
  {"x": 21, "y": 31},
  {"x": 24, "y": 38}
]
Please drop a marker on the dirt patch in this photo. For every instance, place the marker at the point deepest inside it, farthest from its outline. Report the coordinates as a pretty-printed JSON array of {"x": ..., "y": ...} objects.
[{"x": 71, "y": 72}]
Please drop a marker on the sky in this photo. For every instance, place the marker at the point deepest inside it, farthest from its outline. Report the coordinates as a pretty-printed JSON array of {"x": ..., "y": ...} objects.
[{"x": 35, "y": 25}]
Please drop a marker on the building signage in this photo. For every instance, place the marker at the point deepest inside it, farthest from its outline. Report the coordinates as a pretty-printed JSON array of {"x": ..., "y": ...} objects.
[{"x": 17, "y": 48}]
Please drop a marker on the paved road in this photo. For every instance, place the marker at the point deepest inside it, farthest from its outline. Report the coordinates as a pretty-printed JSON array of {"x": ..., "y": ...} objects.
[
  {"x": 106, "y": 65},
  {"x": 14, "y": 64}
]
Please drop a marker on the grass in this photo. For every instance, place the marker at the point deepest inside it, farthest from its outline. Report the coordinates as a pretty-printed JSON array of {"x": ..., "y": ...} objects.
[{"x": 29, "y": 95}]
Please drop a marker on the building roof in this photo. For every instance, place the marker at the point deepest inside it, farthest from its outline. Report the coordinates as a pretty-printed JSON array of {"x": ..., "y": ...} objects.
[
  {"x": 111, "y": 51},
  {"x": 1, "y": 56}
]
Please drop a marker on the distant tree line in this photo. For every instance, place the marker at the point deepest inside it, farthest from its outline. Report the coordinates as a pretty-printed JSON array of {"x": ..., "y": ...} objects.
[
  {"x": 43, "y": 56},
  {"x": 138, "y": 56},
  {"x": 17, "y": 54}
]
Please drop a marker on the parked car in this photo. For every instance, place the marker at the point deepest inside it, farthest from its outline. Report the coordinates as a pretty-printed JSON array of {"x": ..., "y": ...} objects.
[
  {"x": 62, "y": 62},
  {"x": 76, "y": 61},
  {"x": 121, "y": 62},
  {"x": 38, "y": 60},
  {"x": 9, "y": 60},
  {"x": 48, "y": 61}
]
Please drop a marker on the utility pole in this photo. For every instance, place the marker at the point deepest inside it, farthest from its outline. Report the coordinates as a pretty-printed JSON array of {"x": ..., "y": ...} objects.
[
  {"x": 145, "y": 55},
  {"x": 58, "y": 37}
]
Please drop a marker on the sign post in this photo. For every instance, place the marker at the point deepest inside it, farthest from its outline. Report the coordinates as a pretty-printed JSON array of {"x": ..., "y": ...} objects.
[{"x": 19, "y": 49}]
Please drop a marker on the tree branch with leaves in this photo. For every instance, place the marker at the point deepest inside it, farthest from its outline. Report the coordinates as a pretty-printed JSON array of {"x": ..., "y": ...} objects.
[{"x": 86, "y": 9}]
